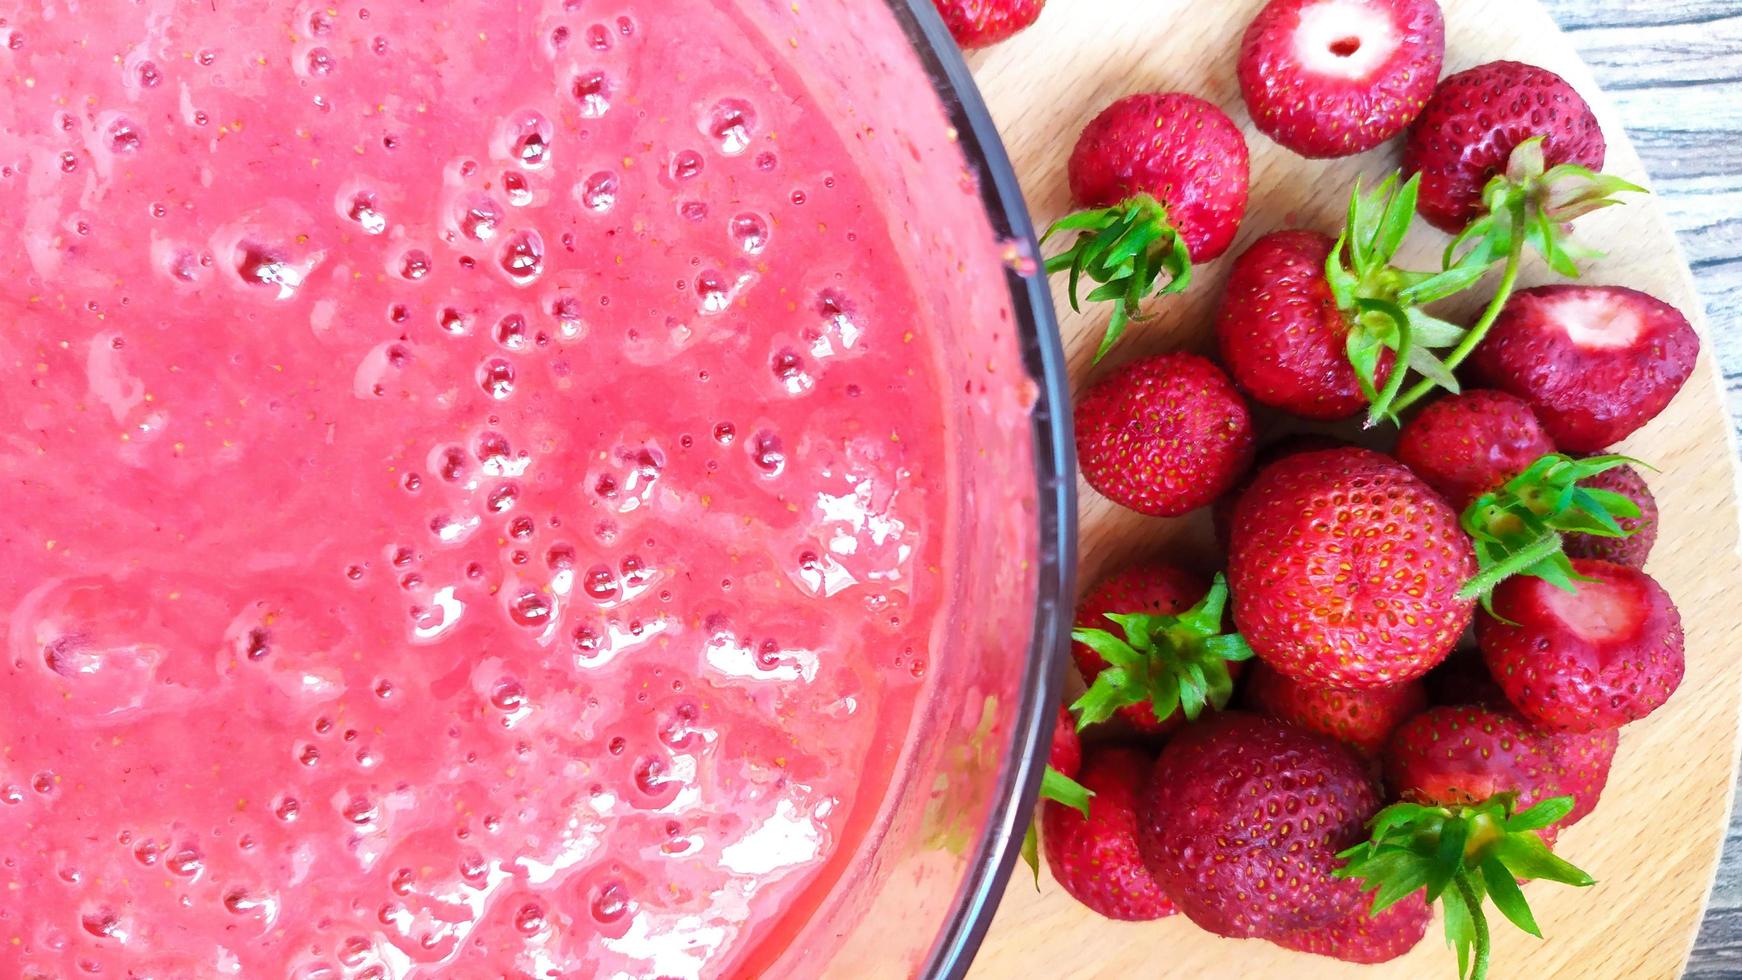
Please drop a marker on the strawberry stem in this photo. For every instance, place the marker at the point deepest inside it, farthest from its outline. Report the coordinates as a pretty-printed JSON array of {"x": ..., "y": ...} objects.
[
  {"x": 1475, "y": 335},
  {"x": 1483, "y": 944},
  {"x": 1124, "y": 249}
]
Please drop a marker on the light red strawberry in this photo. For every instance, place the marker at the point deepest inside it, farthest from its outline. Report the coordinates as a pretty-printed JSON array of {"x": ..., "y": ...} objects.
[
  {"x": 1332, "y": 78},
  {"x": 1363, "y": 720},
  {"x": 1210, "y": 824},
  {"x": 1466, "y": 445},
  {"x": 1177, "y": 148},
  {"x": 1095, "y": 858},
  {"x": 1165, "y": 435},
  {"x": 1634, "y": 550},
  {"x": 1346, "y": 568},
  {"x": 1601, "y": 657},
  {"x": 1151, "y": 588},
  {"x": 982, "y": 23},
  {"x": 1595, "y": 362},
  {"x": 1282, "y": 333},
  {"x": 1366, "y": 938},
  {"x": 1465, "y": 135}
]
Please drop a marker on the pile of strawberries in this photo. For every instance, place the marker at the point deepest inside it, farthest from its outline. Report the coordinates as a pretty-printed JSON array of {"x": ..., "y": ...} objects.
[{"x": 1315, "y": 747}]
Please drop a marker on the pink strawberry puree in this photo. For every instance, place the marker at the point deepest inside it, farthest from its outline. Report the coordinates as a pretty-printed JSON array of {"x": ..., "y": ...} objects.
[{"x": 460, "y": 513}]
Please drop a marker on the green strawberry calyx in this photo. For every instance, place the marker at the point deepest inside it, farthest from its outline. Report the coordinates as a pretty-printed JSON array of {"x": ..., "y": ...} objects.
[
  {"x": 1517, "y": 529},
  {"x": 1171, "y": 663},
  {"x": 1462, "y": 855},
  {"x": 1059, "y": 788},
  {"x": 1124, "y": 250},
  {"x": 1382, "y": 303},
  {"x": 1530, "y": 205}
]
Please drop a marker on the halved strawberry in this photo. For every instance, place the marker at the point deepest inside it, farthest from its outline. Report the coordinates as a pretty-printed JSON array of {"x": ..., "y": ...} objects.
[
  {"x": 1332, "y": 78},
  {"x": 1466, "y": 445},
  {"x": 1094, "y": 856},
  {"x": 1604, "y": 655},
  {"x": 1596, "y": 362}
]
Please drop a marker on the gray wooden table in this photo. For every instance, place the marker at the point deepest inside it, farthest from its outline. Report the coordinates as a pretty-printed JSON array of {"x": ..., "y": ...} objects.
[{"x": 1675, "y": 69}]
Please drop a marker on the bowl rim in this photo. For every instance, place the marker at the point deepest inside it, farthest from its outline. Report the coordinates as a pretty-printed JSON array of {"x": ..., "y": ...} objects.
[{"x": 1043, "y": 357}]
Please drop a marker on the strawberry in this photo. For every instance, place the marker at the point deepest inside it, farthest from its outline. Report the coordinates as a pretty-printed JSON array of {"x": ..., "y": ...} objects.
[
  {"x": 1146, "y": 589},
  {"x": 1364, "y": 938},
  {"x": 1241, "y": 821},
  {"x": 1164, "y": 178},
  {"x": 1466, "y": 135},
  {"x": 1463, "y": 755},
  {"x": 1634, "y": 549},
  {"x": 1364, "y": 720},
  {"x": 1066, "y": 757},
  {"x": 1222, "y": 512},
  {"x": 1164, "y": 436},
  {"x": 1094, "y": 857},
  {"x": 983, "y": 23},
  {"x": 1596, "y": 362},
  {"x": 1316, "y": 327},
  {"x": 1466, "y": 445},
  {"x": 1161, "y": 668},
  {"x": 1332, "y": 78},
  {"x": 1345, "y": 569},
  {"x": 1582, "y": 768},
  {"x": 1058, "y": 783},
  {"x": 1601, "y": 656}
]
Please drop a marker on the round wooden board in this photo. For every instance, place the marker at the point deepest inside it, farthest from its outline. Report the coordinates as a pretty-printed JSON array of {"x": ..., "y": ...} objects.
[{"x": 1654, "y": 842}]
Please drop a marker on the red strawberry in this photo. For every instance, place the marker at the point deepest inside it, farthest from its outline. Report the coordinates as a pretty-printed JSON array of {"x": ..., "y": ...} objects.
[
  {"x": 1243, "y": 818},
  {"x": 1466, "y": 445},
  {"x": 1362, "y": 719},
  {"x": 1582, "y": 768},
  {"x": 1222, "y": 512},
  {"x": 1164, "y": 179},
  {"x": 1095, "y": 857},
  {"x": 1282, "y": 333},
  {"x": 1332, "y": 78},
  {"x": 1596, "y": 362},
  {"x": 1156, "y": 589},
  {"x": 1601, "y": 657},
  {"x": 1164, "y": 436},
  {"x": 1178, "y": 149},
  {"x": 1459, "y": 756},
  {"x": 1365, "y": 938},
  {"x": 1630, "y": 551},
  {"x": 1066, "y": 757},
  {"x": 1345, "y": 570},
  {"x": 1476, "y": 118},
  {"x": 982, "y": 23}
]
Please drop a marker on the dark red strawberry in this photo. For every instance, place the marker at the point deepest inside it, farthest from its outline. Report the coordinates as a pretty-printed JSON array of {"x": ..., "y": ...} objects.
[
  {"x": 1332, "y": 78},
  {"x": 982, "y": 23},
  {"x": 1601, "y": 657},
  {"x": 1211, "y": 824},
  {"x": 1346, "y": 568},
  {"x": 1165, "y": 435},
  {"x": 1364, "y": 720},
  {"x": 1152, "y": 588},
  {"x": 1366, "y": 938},
  {"x": 1462, "y": 755},
  {"x": 1164, "y": 179},
  {"x": 1466, "y": 445},
  {"x": 1582, "y": 768},
  {"x": 1282, "y": 333},
  {"x": 1066, "y": 756},
  {"x": 1466, "y": 134},
  {"x": 1095, "y": 857},
  {"x": 1633, "y": 550},
  {"x": 1596, "y": 362}
]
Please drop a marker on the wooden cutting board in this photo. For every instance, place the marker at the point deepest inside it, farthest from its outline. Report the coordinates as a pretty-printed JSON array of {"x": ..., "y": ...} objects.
[{"x": 1654, "y": 841}]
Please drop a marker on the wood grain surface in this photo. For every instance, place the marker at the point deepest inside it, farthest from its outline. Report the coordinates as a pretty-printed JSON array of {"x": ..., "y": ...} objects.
[
  {"x": 1687, "y": 54},
  {"x": 1654, "y": 842}
]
